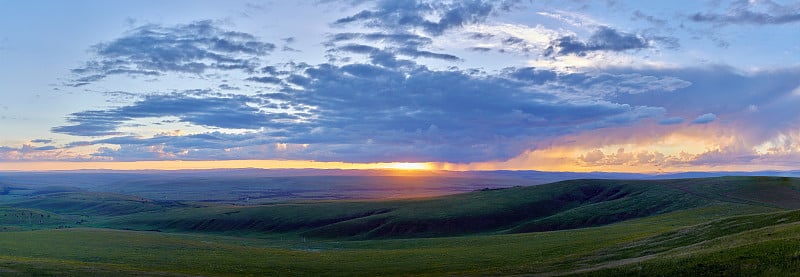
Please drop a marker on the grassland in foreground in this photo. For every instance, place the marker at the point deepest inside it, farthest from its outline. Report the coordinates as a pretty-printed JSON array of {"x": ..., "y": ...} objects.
[{"x": 715, "y": 226}]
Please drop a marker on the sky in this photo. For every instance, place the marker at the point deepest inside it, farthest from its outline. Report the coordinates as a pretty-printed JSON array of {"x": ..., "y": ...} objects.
[{"x": 624, "y": 86}]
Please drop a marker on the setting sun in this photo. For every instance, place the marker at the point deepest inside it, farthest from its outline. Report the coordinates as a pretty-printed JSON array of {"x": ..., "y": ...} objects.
[{"x": 408, "y": 166}]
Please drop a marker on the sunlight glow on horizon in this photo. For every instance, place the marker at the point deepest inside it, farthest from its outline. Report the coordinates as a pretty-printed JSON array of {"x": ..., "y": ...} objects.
[
  {"x": 397, "y": 167},
  {"x": 409, "y": 166},
  {"x": 200, "y": 165}
]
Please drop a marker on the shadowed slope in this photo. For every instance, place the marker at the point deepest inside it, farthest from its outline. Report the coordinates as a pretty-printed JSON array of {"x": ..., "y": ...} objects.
[{"x": 556, "y": 206}]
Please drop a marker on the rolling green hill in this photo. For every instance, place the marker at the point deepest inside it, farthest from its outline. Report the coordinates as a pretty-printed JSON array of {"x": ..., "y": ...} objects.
[
  {"x": 710, "y": 226},
  {"x": 92, "y": 203},
  {"x": 81, "y": 251},
  {"x": 557, "y": 206}
]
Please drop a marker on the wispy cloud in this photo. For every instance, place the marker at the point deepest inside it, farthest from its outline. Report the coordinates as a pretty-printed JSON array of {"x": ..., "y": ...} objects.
[
  {"x": 765, "y": 12},
  {"x": 671, "y": 121}
]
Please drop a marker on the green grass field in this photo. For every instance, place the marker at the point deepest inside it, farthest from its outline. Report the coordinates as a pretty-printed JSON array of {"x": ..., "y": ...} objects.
[{"x": 712, "y": 226}]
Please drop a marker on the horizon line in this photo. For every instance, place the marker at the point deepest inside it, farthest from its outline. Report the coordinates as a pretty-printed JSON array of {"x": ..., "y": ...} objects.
[{"x": 199, "y": 165}]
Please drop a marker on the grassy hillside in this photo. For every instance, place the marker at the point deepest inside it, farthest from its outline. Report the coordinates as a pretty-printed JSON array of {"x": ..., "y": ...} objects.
[
  {"x": 92, "y": 203},
  {"x": 100, "y": 251},
  {"x": 712, "y": 226},
  {"x": 557, "y": 206},
  {"x": 13, "y": 219},
  {"x": 762, "y": 244}
]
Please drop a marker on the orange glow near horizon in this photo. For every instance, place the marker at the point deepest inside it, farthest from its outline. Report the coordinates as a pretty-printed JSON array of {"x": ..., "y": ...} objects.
[
  {"x": 200, "y": 165},
  {"x": 403, "y": 168},
  {"x": 520, "y": 163},
  {"x": 409, "y": 166}
]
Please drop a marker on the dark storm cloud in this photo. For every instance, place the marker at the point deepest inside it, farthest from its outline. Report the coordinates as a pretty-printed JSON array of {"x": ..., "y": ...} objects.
[
  {"x": 604, "y": 39},
  {"x": 153, "y": 50}
]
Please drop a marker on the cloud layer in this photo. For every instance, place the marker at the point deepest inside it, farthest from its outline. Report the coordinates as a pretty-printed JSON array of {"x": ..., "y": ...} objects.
[{"x": 466, "y": 82}]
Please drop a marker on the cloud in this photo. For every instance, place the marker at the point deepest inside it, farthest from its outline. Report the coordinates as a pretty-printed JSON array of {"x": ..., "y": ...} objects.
[
  {"x": 512, "y": 41},
  {"x": 432, "y": 17},
  {"x": 374, "y": 101},
  {"x": 358, "y": 48},
  {"x": 45, "y": 141},
  {"x": 752, "y": 12},
  {"x": 705, "y": 118},
  {"x": 509, "y": 38},
  {"x": 746, "y": 17},
  {"x": 639, "y": 15},
  {"x": 153, "y": 50},
  {"x": 421, "y": 114},
  {"x": 394, "y": 44},
  {"x": 361, "y": 112},
  {"x": 427, "y": 54},
  {"x": 45, "y": 153},
  {"x": 228, "y": 87},
  {"x": 480, "y": 49},
  {"x": 603, "y": 83},
  {"x": 604, "y": 39},
  {"x": 759, "y": 104},
  {"x": 480, "y": 35},
  {"x": 671, "y": 121},
  {"x": 266, "y": 80},
  {"x": 598, "y": 83},
  {"x": 216, "y": 111},
  {"x": 593, "y": 156},
  {"x": 531, "y": 74},
  {"x": 398, "y": 38},
  {"x": 642, "y": 158},
  {"x": 366, "y": 112}
]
